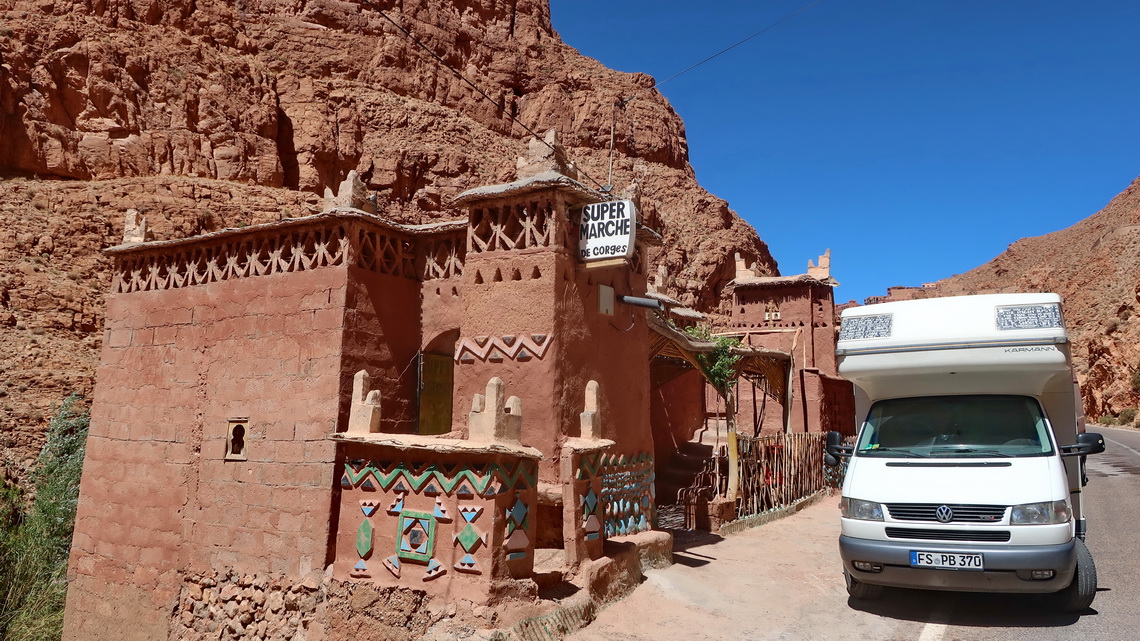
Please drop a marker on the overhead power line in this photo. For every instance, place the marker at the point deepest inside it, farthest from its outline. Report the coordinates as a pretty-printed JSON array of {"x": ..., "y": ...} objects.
[
  {"x": 725, "y": 50},
  {"x": 620, "y": 103}
]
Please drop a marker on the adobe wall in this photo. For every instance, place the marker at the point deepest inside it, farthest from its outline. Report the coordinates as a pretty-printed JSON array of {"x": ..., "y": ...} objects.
[
  {"x": 838, "y": 411},
  {"x": 677, "y": 412},
  {"x": 806, "y": 330},
  {"x": 452, "y": 523},
  {"x": 750, "y": 404},
  {"x": 509, "y": 330},
  {"x": 825, "y": 331},
  {"x": 610, "y": 349},
  {"x": 793, "y": 302},
  {"x": 808, "y": 308},
  {"x": 382, "y": 336},
  {"x": 157, "y": 500},
  {"x": 544, "y": 302},
  {"x": 441, "y": 311}
]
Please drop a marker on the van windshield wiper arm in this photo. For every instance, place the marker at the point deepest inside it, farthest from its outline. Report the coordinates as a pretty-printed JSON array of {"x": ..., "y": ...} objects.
[
  {"x": 969, "y": 450},
  {"x": 894, "y": 450}
]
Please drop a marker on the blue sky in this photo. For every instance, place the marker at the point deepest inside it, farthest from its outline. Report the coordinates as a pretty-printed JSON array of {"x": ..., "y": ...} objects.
[{"x": 917, "y": 139}]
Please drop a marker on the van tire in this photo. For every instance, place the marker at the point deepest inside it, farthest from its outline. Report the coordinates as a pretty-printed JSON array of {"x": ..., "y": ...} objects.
[
  {"x": 1079, "y": 595},
  {"x": 861, "y": 591}
]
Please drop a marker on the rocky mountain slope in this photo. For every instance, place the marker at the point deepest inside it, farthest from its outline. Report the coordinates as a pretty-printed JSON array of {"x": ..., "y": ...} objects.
[
  {"x": 1095, "y": 265},
  {"x": 204, "y": 114}
]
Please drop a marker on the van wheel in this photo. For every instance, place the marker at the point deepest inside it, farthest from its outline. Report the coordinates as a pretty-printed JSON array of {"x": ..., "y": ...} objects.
[
  {"x": 1079, "y": 595},
  {"x": 861, "y": 591}
]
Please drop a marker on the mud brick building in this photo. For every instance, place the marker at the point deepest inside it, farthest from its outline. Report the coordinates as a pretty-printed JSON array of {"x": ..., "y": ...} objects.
[
  {"x": 290, "y": 410},
  {"x": 795, "y": 315},
  {"x": 340, "y": 399}
]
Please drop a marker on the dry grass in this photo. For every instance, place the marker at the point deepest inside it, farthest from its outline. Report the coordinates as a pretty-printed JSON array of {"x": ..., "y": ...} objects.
[{"x": 34, "y": 542}]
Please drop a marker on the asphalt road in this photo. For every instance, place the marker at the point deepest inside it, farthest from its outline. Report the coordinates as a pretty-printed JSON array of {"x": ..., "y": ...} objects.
[{"x": 783, "y": 581}]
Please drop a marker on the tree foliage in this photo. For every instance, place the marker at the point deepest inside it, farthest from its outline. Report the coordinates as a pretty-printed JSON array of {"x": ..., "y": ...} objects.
[
  {"x": 719, "y": 365},
  {"x": 34, "y": 544}
]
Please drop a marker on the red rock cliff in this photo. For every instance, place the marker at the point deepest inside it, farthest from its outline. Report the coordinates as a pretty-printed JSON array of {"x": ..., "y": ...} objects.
[{"x": 204, "y": 114}]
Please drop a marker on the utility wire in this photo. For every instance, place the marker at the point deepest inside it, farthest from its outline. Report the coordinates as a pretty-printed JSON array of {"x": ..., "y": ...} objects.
[
  {"x": 725, "y": 50},
  {"x": 497, "y": 104},
  {"x": 620, "y": 102}
]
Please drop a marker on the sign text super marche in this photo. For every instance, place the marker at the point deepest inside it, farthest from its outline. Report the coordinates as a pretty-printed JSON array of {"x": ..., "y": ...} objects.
[{"x": 606, "y": 230}]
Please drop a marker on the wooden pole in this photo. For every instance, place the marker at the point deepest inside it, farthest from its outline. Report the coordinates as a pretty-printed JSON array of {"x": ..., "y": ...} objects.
[{"x": 733, "y": 488}]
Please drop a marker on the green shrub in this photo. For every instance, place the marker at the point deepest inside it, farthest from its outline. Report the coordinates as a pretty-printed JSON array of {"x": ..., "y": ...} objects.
[
  {"x": 1136, "y": 380},
  {"x": 34, "y": 546},
  {"x": 1127, "y": 416},
  {"x": 719, "y": 365}
]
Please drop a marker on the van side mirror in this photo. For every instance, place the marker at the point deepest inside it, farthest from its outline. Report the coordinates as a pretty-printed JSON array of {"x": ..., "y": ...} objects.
[
  {"x": 834, "y": 449},
  {"x": 1087, "y": 443}
]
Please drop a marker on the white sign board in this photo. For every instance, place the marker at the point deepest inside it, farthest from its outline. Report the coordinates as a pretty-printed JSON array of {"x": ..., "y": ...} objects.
[{"x": 607, "y": 230}]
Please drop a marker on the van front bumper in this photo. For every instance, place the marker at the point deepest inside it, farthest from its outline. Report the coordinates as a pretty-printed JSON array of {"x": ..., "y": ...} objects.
[{"x": 1007, "y": 569}]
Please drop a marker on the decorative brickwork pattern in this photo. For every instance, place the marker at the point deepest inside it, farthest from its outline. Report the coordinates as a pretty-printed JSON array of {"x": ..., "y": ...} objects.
[
  {"x": 384, "y": 252},
  {"x": 463, "y": 480},
  {"x": 518, "y": 226},
  {"x": 442, "y": 257},
  {"x": 496, "y": 349},
  {"x": 627, "y": 494},
  {"x": 226, "y": 257}
]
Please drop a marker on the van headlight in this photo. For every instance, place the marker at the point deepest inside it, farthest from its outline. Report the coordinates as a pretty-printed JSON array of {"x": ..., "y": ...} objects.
[
  {"x": 860, "y": 509},
  {"x": 1047, "y": 513}
]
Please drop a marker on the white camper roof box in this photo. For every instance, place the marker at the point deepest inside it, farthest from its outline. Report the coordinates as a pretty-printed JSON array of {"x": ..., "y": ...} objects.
[{"x": 993, "y": 343}]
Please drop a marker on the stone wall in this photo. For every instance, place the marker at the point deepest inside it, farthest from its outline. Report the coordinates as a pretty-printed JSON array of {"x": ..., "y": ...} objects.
[{"x": 226, "y": 605}]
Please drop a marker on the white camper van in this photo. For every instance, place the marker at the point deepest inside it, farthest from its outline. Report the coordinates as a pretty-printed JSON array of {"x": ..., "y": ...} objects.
[{"x": 966, "y": 472}]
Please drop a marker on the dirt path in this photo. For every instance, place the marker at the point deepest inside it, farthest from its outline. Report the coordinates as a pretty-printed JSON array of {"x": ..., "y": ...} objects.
[{"x": 778, "y": 581}]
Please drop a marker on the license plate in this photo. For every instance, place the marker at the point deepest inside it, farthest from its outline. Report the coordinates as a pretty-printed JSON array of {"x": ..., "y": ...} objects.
[{"x": 945, "y": 560}]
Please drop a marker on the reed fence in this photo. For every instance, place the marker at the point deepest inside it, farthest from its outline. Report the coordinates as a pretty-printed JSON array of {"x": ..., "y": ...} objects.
[{"x": 778, "y": 470}]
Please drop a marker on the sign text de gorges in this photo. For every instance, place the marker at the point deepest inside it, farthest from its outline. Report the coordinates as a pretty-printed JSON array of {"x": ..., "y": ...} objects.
[{"x": 607, "y": 230}]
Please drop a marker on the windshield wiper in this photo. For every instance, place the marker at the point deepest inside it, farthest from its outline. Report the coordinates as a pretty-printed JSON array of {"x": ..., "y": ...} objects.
[
  {"x": 894, "y": 450},
  {"x": 969, "y": 450}
]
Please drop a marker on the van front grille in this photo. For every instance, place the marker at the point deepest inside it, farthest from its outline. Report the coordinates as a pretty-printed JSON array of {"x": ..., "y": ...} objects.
[
  {"x": 999, "y": 536},
  {"x": 962, "y": 513}
]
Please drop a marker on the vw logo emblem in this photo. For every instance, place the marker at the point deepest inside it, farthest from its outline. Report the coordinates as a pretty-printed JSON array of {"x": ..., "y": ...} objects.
[{"x": 944, "y": 514}]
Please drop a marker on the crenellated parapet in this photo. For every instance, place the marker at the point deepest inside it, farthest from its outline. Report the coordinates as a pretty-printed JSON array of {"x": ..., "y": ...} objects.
[{"x": 332, "y": 239}]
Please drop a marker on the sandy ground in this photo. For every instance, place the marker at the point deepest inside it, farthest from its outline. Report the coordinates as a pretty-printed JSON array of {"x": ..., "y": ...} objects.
[{"x": 782, "y": 580}]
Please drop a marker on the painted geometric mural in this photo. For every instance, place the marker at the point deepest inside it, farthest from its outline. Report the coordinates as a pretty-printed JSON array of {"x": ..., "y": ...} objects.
[
  {"x": 517, "y": 541},
  {"x": 453, "y": 533},
  {"x": 589, "y": 494},
  {"x": 464, "y": 480},
  {"x": 496, "y": 349},
  {"x": 627, "y": 493}
]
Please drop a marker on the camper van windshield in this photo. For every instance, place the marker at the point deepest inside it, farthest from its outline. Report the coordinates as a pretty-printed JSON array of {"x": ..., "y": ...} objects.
[{"x": 955, "y": 426}]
